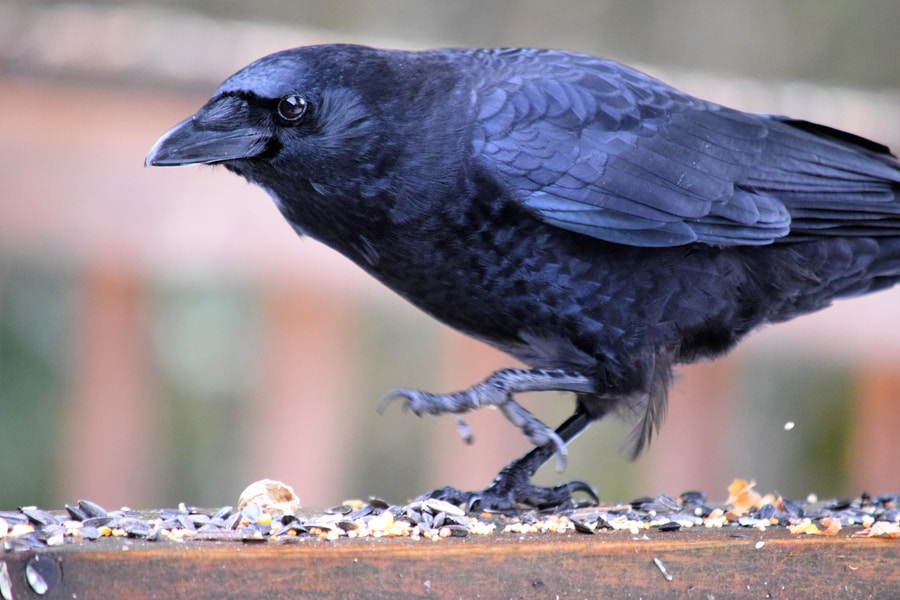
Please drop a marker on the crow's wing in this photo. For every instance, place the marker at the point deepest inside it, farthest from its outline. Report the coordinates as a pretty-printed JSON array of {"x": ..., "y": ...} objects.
[{"x": 594, "y": 147}]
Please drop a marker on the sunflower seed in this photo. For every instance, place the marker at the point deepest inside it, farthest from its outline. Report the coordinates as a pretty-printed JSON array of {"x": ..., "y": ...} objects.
[
  {"x": 223, "y": 513},
  {"x": 134, "y": 527},
  {"x": 96, "y": 521},
  {"x": 341, "y": 509},
  {"x": 186, "y": 522},
  {"x": 42, "y": 574},
  {"x": 91, "y": 509},
  {"x": 38, "y": 516},
  {"x": 76, "y": 513}
]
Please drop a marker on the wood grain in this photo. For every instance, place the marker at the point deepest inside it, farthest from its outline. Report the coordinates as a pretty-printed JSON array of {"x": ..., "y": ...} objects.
[{"x": 703, "y": 563}]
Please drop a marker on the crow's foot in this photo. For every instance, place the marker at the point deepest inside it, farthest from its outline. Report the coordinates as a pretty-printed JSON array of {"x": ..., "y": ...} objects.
[
  {"x": 512, "y": 489},
  {"x": 510, "y": 500},
  {"x": 497, "y": 390}
]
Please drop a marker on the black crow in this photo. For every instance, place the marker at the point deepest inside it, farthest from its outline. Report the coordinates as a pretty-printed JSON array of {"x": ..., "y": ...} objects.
[{"x": 585, "y": 218}]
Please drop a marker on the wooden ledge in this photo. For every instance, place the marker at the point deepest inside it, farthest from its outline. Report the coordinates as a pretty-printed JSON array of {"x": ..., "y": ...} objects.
[{"x": 696, "y": 562}]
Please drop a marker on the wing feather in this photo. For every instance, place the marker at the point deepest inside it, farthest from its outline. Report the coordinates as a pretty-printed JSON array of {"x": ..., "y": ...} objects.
[{"x": 600, "y": 149}]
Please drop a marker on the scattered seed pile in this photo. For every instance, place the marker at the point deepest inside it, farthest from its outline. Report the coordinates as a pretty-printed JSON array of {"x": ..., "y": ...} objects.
[{"x": 32, "y": 528}]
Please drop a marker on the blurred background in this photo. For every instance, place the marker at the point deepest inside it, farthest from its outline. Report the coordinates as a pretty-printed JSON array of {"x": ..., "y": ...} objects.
[{"x": 165, "y": 337}]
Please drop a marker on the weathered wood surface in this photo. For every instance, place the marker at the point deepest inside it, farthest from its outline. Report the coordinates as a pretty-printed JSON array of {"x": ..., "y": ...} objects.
[{"x": 702, "y": 563}]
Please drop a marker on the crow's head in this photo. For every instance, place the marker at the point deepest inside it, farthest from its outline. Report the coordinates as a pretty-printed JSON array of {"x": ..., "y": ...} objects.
[
  {"x": 335, "y": 132},
  {"x": 298, "y": 114}
]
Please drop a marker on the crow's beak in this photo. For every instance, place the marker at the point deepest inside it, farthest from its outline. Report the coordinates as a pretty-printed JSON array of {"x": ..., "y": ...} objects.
[{"x": 200, "y": 140}]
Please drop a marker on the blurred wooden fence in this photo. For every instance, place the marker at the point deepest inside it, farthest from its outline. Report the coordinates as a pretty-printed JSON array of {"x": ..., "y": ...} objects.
[{"x": 73, "y": 188}]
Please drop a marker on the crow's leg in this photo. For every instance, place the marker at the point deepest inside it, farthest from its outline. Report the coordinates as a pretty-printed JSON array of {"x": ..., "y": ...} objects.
[
  {"x": 513, "y": 487},
  {"x": 497, "y": 390}
]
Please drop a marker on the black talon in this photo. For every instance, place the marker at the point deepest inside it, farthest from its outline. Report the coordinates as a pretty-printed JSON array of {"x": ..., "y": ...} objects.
[
  {"x": 512, "y": 488},
  {"x": 502, "y": 499},
  {"x": 447, "y": 494},
  {"x": 585, "y": 488},
  {"x": 389, "y": 399}
]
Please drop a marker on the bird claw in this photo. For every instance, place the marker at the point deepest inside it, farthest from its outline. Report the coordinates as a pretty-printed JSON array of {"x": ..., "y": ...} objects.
[
  {"x": 585, "y": 488},
  {"x": 392, "y": 396},
  {"x": 465, "y": 432},
  {"x": 497, "y": 390},
  {"x": 420, "y": 403},
  {"x": 500, "y": 498}
]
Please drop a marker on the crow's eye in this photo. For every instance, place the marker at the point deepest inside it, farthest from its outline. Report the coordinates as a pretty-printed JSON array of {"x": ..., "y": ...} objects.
[{"x": 291, "y": 108}]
